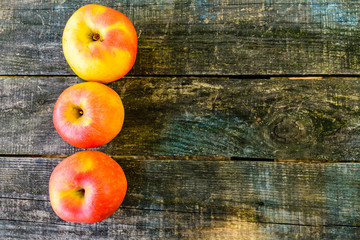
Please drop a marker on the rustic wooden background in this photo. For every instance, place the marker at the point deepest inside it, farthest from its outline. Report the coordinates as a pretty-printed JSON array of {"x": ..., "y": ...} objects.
[{"x": 242, "y": 120}]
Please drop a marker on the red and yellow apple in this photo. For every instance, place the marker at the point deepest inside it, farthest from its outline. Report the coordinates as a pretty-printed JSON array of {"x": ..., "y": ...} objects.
[
  {"x": 99, "y": 43},
  {"x": 88, "y": 186},
  {"x": 88, "y": 114}
]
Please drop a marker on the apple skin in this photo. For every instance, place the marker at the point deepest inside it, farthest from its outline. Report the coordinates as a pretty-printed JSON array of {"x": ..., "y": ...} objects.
[
  {"x": 88, "y": 115},
  {"x": 99, "y": 43},
  {"x": 88, "y": 186}
]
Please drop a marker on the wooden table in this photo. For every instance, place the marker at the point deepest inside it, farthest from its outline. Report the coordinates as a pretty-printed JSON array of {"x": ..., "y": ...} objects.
[{"x": 242, "y": 120}]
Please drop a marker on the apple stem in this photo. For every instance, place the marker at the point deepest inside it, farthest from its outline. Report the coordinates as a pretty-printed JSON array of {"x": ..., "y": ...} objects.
[
  {"x": 81, "y": 192},
  {"x": 96, "y": 36}
]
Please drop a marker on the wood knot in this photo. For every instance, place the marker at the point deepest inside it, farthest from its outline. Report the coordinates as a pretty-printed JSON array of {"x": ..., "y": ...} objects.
[{"x": 288, "y": 130}]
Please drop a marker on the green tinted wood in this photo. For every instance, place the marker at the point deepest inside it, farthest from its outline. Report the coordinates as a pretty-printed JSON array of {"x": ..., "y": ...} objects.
[
  {"x": 196, "y": 37},
  {"x": 316, "y": 119},
  {"x": 196, "y": 199}
]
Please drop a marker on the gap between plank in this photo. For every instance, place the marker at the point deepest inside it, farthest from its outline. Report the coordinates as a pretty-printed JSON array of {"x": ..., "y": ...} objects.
[
  {"x": 147, "y": 157},
  {"x": 245, "y": 76},
  {"x": 256, "y": 222},
  {"x": 190, "y": 158}
]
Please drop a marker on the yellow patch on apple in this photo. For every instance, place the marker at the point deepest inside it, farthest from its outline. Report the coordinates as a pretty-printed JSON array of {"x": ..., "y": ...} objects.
[{"x": 99, "y": 43}]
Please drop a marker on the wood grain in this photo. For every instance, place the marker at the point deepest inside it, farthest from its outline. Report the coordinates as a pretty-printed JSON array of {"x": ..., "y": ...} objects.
[
  {"x": 225, "y": 104},
  {"x": 194, "y": 199},
  {"x": 285, "y": 118},
  {"x": 196, "y": 37}
]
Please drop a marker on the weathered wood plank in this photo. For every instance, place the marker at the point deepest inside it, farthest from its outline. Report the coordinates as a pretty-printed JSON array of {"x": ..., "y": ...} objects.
[
  {"x": 315, "y": 119},
  {"x": 148, "y": 226},
  {"x": 194, "y": 199},
  {"x": 196, "y": 37}
]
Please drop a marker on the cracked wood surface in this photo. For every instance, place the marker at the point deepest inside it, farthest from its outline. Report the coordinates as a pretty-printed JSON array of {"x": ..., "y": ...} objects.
[
  {"x": 200, "y": 99},
  {"x": 285, "y": 118},
  {"x": 196, "y": 37},
  {"x": 194, "y": 199}
]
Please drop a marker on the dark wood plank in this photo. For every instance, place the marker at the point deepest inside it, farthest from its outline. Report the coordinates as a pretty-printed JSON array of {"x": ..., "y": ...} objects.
[
  {"x": 316, "y": 119},
  {"x": 194, "y": 199},
  {"x": 148, "y": 225},
  {"x": 196, "y": 37}
]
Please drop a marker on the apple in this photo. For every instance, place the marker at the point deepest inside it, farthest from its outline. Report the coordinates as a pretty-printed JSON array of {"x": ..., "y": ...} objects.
[
  {"x": 88, "y": 186},
  {"x": 99, "y": 43},
  {"x": 88, "y": 114}
]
